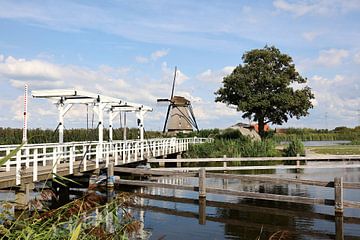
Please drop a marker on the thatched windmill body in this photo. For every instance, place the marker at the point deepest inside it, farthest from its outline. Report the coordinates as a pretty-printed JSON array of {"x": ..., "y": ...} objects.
[{"x": 179, "y": 116}]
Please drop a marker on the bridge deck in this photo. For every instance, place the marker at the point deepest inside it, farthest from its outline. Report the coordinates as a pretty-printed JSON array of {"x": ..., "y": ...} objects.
[{"x": 36, "y": 162}]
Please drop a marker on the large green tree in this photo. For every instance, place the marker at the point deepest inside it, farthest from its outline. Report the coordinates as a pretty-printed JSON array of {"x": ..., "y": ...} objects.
[{"x": 263, "y": 88}]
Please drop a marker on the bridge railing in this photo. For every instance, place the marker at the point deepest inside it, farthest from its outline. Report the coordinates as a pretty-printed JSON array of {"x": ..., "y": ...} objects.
[{"x": 82, "y": 154}]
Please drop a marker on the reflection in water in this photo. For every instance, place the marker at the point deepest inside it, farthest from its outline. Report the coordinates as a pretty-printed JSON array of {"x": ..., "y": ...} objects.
[{"x": 180, "y": 215}]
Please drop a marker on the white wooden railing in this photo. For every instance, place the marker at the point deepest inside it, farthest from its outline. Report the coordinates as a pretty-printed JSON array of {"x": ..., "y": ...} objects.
[{"x": 82, "y": 154}]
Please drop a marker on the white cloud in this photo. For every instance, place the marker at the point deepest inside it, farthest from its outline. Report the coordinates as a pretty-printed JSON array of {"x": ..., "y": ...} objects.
[
  {"x": 310, "y": 36},
  {"x": 30, "y": 69},
  {"x": 299, "y": 9},
  {"x": 153, "y": 56},
  {"x": 215, "y": 76},
  {"x": 357, "y": 57},
  {"x": 321, "y": 82},
  {"x": 332, "y": 57},
  {"x": 317, "y": 7},
  {"x": 159, "y": 54},
  {"x": 168, "y": 74},
  {"x": 37, "y": 84},
  {"x": 141, "y": 59}
]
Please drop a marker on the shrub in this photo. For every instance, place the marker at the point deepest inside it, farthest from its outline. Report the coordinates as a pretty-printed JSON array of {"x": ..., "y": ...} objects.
[{"x": 295, "y": 147}]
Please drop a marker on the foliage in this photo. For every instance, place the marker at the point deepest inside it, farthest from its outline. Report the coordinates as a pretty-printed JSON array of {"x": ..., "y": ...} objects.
[
  {"x": 14, "y": 135},
  {"x": 75, "y": 220},
  {"x": 295, "y": 147},
  {"x": 262, "y": 88},
  {"x": 232, "y": 148}
]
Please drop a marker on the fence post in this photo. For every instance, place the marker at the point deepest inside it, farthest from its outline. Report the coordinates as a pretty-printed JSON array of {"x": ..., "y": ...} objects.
[
  {"x": 54, "y": 160},
  {"x": 35, "y": 165},
  {"x": 8, "y": 162},
  {"x": 202, "y": 211},
  {"x": 339, "y": 227},
  {"x": 202, "y": 183},
  {"x": 71, "y": 160},
  {"x": 297, "y": 163},
  {"x": 107, "y": 156},
  {"x": 18, "y": 168},
  {"x": 44, "y": 156},
  {"x": 338, "y": 189},
  {"x": 116, "y": 146},
  {"x": 224, "y": 163}
]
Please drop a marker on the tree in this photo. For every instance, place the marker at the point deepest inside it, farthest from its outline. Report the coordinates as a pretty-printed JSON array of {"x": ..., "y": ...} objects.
[{"x": 262, "y": 88}]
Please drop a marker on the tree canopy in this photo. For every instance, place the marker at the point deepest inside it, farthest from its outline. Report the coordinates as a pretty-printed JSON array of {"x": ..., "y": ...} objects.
[{"x": 263, "y": 88}]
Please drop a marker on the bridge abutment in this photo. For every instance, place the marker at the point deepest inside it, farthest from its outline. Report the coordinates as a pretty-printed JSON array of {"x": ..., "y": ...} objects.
[{"x": 22, "y": 197}]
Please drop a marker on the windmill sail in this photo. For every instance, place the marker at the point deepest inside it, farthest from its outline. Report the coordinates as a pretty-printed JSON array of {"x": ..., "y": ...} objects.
[{"x": 179, "y": 115}]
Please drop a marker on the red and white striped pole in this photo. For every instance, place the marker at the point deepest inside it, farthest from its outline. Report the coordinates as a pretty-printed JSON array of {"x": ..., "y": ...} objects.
[{"x": 25, "y": 114}]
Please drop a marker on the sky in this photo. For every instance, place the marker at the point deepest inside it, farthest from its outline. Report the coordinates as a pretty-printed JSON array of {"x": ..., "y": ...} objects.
[{"x": 128, "y": 50}]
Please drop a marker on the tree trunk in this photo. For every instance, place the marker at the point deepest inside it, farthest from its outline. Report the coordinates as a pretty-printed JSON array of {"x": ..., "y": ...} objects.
[{"x": 261, "y": 126}]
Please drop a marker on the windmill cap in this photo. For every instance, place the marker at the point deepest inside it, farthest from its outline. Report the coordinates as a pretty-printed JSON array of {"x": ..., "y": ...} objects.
[{"x": 178, "y": 100}]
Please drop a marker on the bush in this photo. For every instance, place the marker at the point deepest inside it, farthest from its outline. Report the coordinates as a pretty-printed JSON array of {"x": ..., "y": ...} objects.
[
  {"x": 295, "y": 147},
  {"x": 242, "y": 147}
]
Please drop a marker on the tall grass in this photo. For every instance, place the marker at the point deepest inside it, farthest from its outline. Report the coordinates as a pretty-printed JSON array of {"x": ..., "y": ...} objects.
[
  {"x": 233, "y": 148},
  {"x": 89, "y": 217}
]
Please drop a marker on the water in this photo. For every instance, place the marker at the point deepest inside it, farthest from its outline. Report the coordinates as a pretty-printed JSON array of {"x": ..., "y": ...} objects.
[
  {"x": 320, "y": 143},
  {"x": 230, "y": 217}
]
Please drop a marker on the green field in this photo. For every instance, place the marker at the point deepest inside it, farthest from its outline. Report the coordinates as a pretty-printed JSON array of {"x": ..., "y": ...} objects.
[{"x": 337, "y": 150}]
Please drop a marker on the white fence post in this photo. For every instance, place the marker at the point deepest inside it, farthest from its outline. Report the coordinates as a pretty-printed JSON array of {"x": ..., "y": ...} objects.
[
  {"x": 97, "y": 156},
  {"x": 54, "y": 160},
  {"x": 71, "y": 160},
  {"x": 136, "y": 151},
  {"x": 27, "y": 155},
  {"x": 107, "y": 149},
  {"x": 116, "y": 153},
  {"x": 7, "y": 168},
  {"x": 18, "y": 168},
  {"x": 35, "y": 165},
  {"x": 44, "y": 157}
]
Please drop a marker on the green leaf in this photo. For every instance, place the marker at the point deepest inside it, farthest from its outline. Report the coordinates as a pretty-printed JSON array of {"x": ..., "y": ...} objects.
[
  {"x": 11, "y": 154},
  {"x": 62, "y": 179},
  {"x": 76, "y": 233}
]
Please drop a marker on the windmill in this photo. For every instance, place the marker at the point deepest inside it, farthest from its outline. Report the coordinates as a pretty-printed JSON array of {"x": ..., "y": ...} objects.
[{"x": 179, "y": 116}]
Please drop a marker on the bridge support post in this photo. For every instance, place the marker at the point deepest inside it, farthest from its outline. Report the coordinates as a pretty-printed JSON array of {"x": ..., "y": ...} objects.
[
  {"x": 110, "y": 175},
  {"x": 22, "y": 197},
  {"x": 63, "y": 109},
  {"x": 140, "y": 116},
  {"x": 339, "y": 226},
  {"x": 338, "y": 189}
]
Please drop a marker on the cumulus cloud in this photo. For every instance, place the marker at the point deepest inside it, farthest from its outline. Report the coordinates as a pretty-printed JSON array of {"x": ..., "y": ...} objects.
[
  {"x": 153, "y": 56},
  {"x": 159, "y": 54},
  {"x": 318, "y": 7},
  {"x": 332, "y": 57},
  {"x": 357, "y": 57},
  {"x": 141, "y": 59},
  {"x": 299, "y": 8},
  {"x": 310, "y": 36},
  {"x": 168, "y": 74},
  {"x": 212, "y": 76}
]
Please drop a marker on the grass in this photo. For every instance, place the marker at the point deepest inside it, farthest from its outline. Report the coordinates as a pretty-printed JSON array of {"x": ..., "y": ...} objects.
[
  {"x": 337, "y": 150},
  {"x": 89, "y": 217}
]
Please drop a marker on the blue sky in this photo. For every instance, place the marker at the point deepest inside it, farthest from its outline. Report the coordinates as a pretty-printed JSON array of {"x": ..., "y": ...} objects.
[{"x": 128, "y": 49}]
